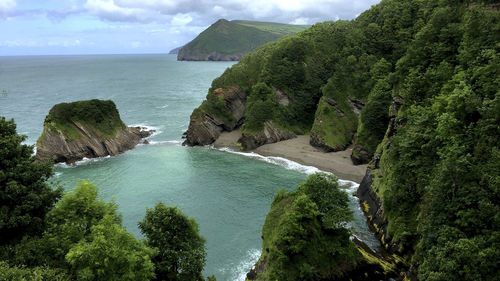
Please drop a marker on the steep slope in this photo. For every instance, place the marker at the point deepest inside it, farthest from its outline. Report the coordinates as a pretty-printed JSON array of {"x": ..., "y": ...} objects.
[
  {"x": 428, "y": 74},
  {"x": 93, "y": 128},
  {"x": 231, "y": 40}
]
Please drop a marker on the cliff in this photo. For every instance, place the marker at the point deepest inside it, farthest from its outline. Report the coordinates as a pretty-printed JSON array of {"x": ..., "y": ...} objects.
[
  {"x": 231, "y": 40},
  {"x": 413, "y": 85},
  {"x": 85, "y": 129}
]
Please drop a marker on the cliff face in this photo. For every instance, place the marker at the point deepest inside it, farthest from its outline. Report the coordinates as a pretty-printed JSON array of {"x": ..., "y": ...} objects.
[
  {"x": 68, "y": 136},
  {"x": 206, "y": 125}
]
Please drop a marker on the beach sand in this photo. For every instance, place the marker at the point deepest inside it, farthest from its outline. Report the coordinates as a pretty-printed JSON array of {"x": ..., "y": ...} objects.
[{"x": 299, "y": 150}]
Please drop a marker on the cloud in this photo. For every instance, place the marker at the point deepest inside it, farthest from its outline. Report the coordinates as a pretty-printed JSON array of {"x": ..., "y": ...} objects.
[
  {"x": 203, "y": 12},
  {"x": 7, "y": 6}
]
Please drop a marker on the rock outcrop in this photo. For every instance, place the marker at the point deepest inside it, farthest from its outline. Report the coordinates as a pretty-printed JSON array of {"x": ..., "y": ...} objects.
[
  {"x": 335, "y": 123},
  {"x": 75, "y": 137},
  {"x": 270, "y": 134},
  {"x": 205, "y": 126},
  {"x": 370, "y": 201}
]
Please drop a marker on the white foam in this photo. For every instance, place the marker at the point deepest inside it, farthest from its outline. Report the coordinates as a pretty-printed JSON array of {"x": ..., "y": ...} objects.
[
  {"x": 156, "y": 130},
  {"x": 164, "y": 106},
  {"x": 280, "y": 161},
  {"x": 178, "y": 142},
  {"x": 83, "y": 162},
  {"x": 241, "y": 270}
]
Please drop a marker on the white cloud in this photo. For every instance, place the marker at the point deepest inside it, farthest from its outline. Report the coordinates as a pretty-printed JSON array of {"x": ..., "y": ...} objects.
[
  {"x": 181, "y": 19},
  {"x": 7, "y": 6},
  {"x": 300, "y": 21},
  {"x": 203, "y": 12}
]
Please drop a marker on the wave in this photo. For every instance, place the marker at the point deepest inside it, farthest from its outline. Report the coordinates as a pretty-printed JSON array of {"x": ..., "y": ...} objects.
[
  {"x": 280, "y": 161},
  {"x": 178, "y": 142},
  {"x": 83, "y": 162},
  {"x": 157, "y": 130},
  {"x": 238, "y": 272}
]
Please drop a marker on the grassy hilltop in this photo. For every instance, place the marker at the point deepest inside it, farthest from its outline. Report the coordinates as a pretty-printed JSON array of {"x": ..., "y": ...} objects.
[{"x": 231, "y": 40}]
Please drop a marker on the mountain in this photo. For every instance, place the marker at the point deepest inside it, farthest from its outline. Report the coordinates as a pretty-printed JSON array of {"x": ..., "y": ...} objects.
[
  {"x": 174, "y": 51},
  {"x": 231, "y": 40},
  {"x": 412, "y": 85}
]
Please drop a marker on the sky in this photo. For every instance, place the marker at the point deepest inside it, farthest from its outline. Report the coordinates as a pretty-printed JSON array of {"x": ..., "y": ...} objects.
[{"x": 59, "y": 27}]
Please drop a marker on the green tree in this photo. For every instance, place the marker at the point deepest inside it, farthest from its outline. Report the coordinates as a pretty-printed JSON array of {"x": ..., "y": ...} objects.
[
  {"x": 72, "y": 219},
  {"x": 109, "y": 252},
  {"x": 181, "y": 250},
  {"x": 303, "y": 238},
  {"x": 25, "y": 196}
]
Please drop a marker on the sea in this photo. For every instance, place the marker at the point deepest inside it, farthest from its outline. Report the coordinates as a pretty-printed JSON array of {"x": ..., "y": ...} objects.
[{"x": 227, "y": 192}]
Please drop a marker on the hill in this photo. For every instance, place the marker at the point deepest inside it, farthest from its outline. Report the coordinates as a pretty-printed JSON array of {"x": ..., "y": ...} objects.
[
  {"x": 231, "y": 40},
  {"x": 413, "y": 86}
]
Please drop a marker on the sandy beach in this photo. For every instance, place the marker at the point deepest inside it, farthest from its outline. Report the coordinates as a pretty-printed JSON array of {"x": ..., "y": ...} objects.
[{"x": 299, "y": 150}]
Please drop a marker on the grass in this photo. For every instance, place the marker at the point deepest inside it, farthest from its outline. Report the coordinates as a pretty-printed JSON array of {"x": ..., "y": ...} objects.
[
  {"x": 102, "y": 116},
  {"x": 235, "y": 37}
]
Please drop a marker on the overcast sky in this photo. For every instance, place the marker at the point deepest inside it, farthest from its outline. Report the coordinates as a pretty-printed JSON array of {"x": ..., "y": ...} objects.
[{"x": 34, "y": 27}]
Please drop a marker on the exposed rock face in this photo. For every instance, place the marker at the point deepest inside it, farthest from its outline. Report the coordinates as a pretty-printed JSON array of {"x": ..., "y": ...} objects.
[
  {"x": 270, "y": 134},
  {"x": 55, "y": 146},
  {"x": 360, "y": 155},
  {"x": 334, "y": 125},
  {"x": 213, "y": 56},
  {"x": 370, "y": 201},
  {"x": 204, "y": 128},
  {"x": 281, "y": 97}
]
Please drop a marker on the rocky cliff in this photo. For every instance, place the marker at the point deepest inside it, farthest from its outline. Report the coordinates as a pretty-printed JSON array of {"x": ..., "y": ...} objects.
[
  {"x": 85, "y": 129},
  {"x": 210, "y": 119}
]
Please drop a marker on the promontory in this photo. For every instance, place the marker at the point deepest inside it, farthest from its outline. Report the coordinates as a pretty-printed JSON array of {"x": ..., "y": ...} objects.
[{"x": 85, "y": 129}]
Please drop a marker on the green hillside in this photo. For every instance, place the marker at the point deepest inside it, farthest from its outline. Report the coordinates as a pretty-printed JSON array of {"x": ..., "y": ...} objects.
[
  {"x": 428, "y": 74},
  {"x": 231, "y": 40}
]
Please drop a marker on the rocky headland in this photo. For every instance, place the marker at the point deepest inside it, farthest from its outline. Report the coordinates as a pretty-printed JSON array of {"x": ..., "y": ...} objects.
[{"x": 86, "y": 129}]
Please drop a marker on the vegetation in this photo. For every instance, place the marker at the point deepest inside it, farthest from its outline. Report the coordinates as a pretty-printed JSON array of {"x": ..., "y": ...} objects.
[
  {"x": 230, "y": 40},
  {"x": 25, "y": 196},
  {"x": 101, "y": 115},
  {"x": 304, "y": 236},
  {"x": 181, "y": 250},
  {"x": 439, "y": 158},
  {"x": 81, "y": 237}
]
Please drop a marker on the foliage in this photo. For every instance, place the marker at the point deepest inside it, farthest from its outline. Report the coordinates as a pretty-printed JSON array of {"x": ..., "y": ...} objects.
[
  {"x": 440, "y": 180},
  {"x": 181, "y": 250},
  {"x": 15, "y": 273},
  {"x": 109, "y": 252},
  {"x": 100, "y": 115},
  {"x": 25, "y": 196},
  {"x": 303, "y": 238},
  {"x": 72, "y": 219}
]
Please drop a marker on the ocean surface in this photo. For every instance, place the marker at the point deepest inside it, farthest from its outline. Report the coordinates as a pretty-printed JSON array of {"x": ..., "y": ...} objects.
[{"x": 228, "y": 193}]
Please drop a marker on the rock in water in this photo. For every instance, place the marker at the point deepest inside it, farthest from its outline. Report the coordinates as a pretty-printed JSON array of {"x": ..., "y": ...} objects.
[{"x": 85, "y": 129}]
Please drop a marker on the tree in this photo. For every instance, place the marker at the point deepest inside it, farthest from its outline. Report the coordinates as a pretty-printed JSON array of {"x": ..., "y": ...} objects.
[
  {"x": 332, "y": 202},
  {"x": 304, "y": 237},
  {"x": 181, "y": 250},
  {"x": 25, "y": 196},
  {"x": 72, "y": 219},
  {"x": 111, "y": 253}
]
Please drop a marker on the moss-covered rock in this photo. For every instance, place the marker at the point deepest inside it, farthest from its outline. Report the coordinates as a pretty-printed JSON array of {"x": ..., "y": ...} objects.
[{"x": 85, "y": 129}]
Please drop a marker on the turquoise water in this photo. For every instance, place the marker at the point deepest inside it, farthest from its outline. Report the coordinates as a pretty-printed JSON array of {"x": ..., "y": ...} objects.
[{"x": 228, "y": 194}]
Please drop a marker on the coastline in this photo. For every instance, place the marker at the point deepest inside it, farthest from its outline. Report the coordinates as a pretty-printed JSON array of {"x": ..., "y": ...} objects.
[{"x": 299, "y": 150}]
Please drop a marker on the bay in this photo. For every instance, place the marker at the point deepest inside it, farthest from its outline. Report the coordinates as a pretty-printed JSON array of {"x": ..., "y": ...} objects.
[{"x": 228, "y": 194}]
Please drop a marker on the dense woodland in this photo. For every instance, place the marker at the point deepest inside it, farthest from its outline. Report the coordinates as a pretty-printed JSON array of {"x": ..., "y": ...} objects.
[{"x": 428, "y": 73}]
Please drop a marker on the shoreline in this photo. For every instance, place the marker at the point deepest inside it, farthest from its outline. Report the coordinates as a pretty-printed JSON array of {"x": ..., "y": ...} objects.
[{"x": 299, "y": 150}]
